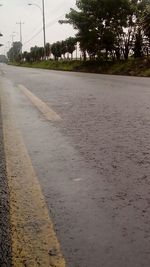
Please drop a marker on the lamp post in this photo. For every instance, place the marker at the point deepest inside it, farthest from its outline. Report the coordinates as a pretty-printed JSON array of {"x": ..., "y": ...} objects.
[
  {"x": 43, "y": 16},
  {"x": 20, "y": 27}
]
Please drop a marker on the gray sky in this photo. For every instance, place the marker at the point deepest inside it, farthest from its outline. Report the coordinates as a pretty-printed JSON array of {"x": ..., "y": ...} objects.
[{"x": 14, "y": 11}]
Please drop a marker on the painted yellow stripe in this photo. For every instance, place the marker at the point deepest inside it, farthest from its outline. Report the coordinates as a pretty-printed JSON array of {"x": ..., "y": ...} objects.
[
  {"x": 49, "y": 114},
  {"x": 34, "y": 242}
]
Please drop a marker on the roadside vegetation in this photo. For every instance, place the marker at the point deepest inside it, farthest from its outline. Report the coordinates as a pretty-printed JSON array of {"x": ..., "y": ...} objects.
[
  {"x": 113, "y": 36},
  {"x": 131, "y": 67}
]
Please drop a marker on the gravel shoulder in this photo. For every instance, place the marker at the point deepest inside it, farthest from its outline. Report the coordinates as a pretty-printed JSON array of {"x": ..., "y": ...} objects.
[{"x": 5, "y": 239}]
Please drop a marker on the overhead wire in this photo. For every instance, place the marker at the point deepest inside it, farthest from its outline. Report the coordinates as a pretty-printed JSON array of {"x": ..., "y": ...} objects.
[
  {"x": 53, "y": 11},
  {"x": 47, "y": 26},
  {"x": 51, "y": 23}
]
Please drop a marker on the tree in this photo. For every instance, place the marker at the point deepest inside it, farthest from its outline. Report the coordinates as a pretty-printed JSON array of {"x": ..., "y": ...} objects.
[
  {"x": 15, "y": 50},
  {"x": 3, "y": 58},
  {"x": 37, "y": 53},
  {"x": 146, "y": 21},
  {"x": 48, "y": 49},
  {"x": 99, "y": 23},
  {"x": 64, "y": 48},
  {"x": 56, "y": 50},
  {"x": 26, "y": 56},
  {"x": 40, "y": 53},
  {"x": 138, "y": 47},
  {"x": 70, "y": 45},
  {"x": 34, "y": 53},
  {"x": 138, "y": 42}
]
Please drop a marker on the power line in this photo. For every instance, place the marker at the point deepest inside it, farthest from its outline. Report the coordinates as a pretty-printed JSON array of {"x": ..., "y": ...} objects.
[
  {"x": 51, "y": 23},
  {"x": 54, "y": 21},
  {"x": 33, "y": 36},
  {"x": 59, "y": 7},
  {"x": 47, "y": 26}
]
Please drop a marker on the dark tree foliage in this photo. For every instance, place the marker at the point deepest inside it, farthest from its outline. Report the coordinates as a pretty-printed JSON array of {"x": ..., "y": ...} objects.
[
  {"x": 99, "y": 23},
  {"x": 60, "y": 49},
  {"x": 146, "y": 21},
  {"x": 48, "y": 49},
  {"x": 138, "y": 46},
  {"x": 57, "y": 50},
  {"x": 110, "y": 26},
  {"x": 15, "y": 51},
  {"x": 3, "y": 58}
]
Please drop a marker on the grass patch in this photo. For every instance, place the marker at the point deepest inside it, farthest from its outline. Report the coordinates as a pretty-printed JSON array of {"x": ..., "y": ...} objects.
[{"x": 131, "y": 67}]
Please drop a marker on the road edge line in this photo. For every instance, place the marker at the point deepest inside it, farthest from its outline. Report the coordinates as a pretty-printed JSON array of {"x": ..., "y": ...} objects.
[{"x": 48, "y": 113}]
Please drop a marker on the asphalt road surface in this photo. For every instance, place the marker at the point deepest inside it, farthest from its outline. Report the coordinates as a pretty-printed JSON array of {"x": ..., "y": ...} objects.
[{"x": 91, "y": 158}]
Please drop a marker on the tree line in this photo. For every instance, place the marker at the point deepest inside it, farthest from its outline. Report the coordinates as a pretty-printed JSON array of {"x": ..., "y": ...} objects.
[
  {"x": 61, "y": 49},
  {"x": 106, "y": 30}
]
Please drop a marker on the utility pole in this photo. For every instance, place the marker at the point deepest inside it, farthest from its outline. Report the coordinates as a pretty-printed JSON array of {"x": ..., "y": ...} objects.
[
  {"x": 44, "y": 34},
  {"x": 43, "y": 16},
  {"x": 20, "y": 26}
]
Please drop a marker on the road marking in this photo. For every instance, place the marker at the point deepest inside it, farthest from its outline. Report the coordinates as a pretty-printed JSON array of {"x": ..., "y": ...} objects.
[
  {"x": 50, "y": 114},
  {"x": 34, "y": 242},
  {"x": 77, "y": 179}
]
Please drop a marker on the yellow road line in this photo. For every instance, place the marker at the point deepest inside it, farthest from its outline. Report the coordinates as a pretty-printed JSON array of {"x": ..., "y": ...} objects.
[
  {"x": 50, "y": 114},
  {"x": 34, "y": 242}
]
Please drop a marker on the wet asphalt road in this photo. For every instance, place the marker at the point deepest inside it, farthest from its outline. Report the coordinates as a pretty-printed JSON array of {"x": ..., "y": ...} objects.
[{"x": 93, "y": 165}]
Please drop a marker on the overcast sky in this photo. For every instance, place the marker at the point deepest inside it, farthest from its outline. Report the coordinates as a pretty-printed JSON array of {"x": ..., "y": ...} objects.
[{"x": 14, "y": 11}]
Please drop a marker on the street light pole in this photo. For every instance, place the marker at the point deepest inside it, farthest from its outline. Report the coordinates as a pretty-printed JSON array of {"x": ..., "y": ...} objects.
[
  {"x": 43, "y": 16},
  {"x": 44, "y": 34}
]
